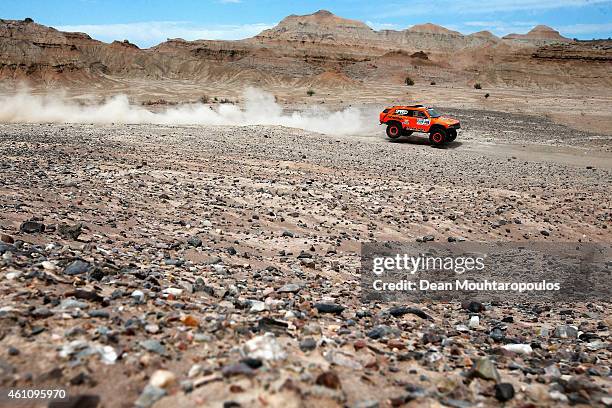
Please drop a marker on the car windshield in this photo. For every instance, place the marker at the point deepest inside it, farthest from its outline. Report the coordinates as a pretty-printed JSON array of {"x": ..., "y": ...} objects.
[{"x": 433, "y": 113}]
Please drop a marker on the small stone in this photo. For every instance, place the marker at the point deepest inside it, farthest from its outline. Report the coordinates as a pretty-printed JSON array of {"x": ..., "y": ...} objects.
[
  {"x": 73, "y": 304},
  {"x": 473, "y": 306},
  {"x": 329, "y": 308},
  {"x": 504, "y": 392},
  {"x": 162, "y": 379},
  {"x": 189, "y": 320},
  {"x": 76, "y": 267},
  {"x": 398, "y": 311},
  {"x": 12, "y": 351},
  {"x": 32, "y": 227},
  {"x": 565, "y": 332},
  {"x": 149, "y": 396},
  {"x": 195, "y": 241},
  {"x": 329, "y": 379},
  {"x": 308, "y": 344},
  {"x": 70, "y": 231},
  {"x": 485, "y": 369},
  {"x": 151, "y": 328},
  {"x": 41, "y": 313},
  {"x": 153, "y": 346},
  {"x": 257, "y": 306},
  {"x": 497, "y": 334},
  {"x": 103, "y": 314},
  {"x": 49, "y": 266},
  {"x": 236, "y": 369},
  {"x": 138, "y": 295},
  {"x": 176, "y": 292},
  {"x": 289, "y": 288},
  {"x": 7, "y": 238},
  {"x": 518, "y": 348},
  {"x": 379, "y": 332},
  {"x": 264, "y": 347},
  {"x": 195, "y": 370},
  {"x": 474, "y": 322}
]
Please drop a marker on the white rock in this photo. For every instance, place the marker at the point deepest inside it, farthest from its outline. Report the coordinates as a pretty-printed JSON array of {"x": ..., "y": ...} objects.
[
  {"x": 195, "y": 370},
  {"x": 12, "y": 275},
  {"x": 162, "y": 379},
  {"x": 264, "y": 347},
  {"x": 48, "y": 265},
  {"x": 173, "y": 291},
  {"x": 257, "y": 306},
  {"x": 518, "y": 348},
  {"x": 138, "y": 294},
  {"x": 474, "y": 322}
]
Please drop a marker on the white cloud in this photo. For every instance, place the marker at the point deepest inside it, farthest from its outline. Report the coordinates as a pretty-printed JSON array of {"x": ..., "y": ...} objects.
[
  {"x": 499, "y": 28},
  {"x": 587, "y": 29},
  {"x": 502, "y": 28},
  {"x": 383, "y": 26},
  {"x": 147, "y": 34},
  {"x": 424, "y": 7}
]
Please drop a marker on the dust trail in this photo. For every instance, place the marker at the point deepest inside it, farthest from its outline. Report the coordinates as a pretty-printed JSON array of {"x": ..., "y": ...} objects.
[{"x": 259, "y": 108}]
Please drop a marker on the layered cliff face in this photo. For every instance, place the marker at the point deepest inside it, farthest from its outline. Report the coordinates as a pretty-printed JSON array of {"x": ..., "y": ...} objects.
[
  {"x": 539, "y": 35},
  {"x": 324, "y": 27},
  {"x": 319, "y": 49}
]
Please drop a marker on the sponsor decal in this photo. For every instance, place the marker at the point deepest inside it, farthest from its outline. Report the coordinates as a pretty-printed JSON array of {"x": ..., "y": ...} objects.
[{"x": 422, "y": 121}]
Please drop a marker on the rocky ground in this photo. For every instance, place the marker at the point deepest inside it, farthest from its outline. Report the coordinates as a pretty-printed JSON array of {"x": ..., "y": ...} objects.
[{"x": 210, "y": 266}]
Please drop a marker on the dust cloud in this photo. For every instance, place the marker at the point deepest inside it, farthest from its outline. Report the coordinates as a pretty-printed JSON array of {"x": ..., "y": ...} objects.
[{"x": 258, "y": 108}]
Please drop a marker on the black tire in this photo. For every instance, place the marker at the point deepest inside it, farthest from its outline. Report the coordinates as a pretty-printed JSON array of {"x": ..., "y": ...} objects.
[
  {"x": 406, "y": 132},
  {"x": 437, "y": 137},
  {"x": 394, "y": 130},
  {"x": 452, "y": 135}
]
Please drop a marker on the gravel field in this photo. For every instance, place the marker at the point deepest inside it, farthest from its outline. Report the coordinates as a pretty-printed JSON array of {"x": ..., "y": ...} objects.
[{"x": 219, "y": 266}]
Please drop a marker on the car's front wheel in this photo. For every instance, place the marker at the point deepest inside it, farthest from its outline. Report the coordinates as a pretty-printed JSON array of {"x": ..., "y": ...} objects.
[
  {"x": 394, "y": 130},
  {"x": 452, "y": 135},
  {"x": 437, "y": 137}
]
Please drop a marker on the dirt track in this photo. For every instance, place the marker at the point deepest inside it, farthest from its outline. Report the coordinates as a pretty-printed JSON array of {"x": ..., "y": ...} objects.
[{"x": 229, "y": 215}]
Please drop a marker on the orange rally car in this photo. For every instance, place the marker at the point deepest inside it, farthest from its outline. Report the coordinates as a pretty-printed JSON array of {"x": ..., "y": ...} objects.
[{"x": 403, "y": 120}]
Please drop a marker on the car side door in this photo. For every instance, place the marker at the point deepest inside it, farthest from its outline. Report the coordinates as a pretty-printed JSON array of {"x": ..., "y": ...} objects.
[
  {"x": 421, "y": 121},
  {"x": 403, "y": 115}
]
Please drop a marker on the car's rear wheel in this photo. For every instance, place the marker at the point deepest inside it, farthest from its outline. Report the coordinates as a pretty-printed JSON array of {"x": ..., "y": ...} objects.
[
  {"x": 437, "y": 137},
  {"x": 452, "y": 135},
  {"x": 394, "y": 130}
]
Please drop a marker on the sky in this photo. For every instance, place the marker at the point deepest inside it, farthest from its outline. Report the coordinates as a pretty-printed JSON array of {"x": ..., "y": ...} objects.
[{"x": 149, "y": 22}]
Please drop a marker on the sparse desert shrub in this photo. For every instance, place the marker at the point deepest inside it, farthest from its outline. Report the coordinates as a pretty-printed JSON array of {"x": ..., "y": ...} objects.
[
  {"x": 310, "y": 92},
  {"x": 409, "y": 81},
  {"x": 28, "y": 20},
  {"x": 225, "y": 100},
  {"x": 203, "y": 99},
  {"x": 432, "y": 83},
  {"x": 158, "y": 102},
  {"x": 487, "y": 95},
  {"x": 477, "y": 86}
]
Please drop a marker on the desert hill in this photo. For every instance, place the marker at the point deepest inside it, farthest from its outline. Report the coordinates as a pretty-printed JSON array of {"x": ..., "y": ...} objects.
[{"x": 320, "y": 49}]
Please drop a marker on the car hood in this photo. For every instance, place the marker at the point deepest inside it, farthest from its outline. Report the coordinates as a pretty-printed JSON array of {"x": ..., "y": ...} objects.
[{"x": 447, "y": 120}]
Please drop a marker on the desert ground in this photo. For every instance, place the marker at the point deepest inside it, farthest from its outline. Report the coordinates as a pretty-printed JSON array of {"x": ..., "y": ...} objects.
[
  {"x": 168, "y": 253},
  {"x": 167, "y": 240}
]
